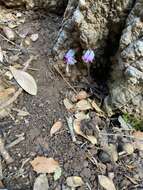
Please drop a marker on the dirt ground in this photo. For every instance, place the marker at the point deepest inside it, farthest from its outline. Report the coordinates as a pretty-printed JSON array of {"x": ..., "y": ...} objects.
[{"x": 46, "y": 108}]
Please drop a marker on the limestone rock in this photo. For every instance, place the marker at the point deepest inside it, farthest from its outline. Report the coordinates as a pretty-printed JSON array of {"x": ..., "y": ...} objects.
[
  {"x": 126, "y": 90},
  {"x": 92, "y": 24}
]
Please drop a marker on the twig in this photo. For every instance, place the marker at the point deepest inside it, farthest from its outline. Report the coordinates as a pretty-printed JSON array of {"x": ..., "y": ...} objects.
[
  {"x": 24, "y": 162},
  {"x": 19, "y": 91},
  {"x": 11, "y": 42},
  {"x": 70, "y": 125},
  {"x": 131, "y": 179},
  {"x": 4, "y": 152},
  {"x": 88, "y": 186},
  {"x": 57, "y": 69},
  {"x": 15, "y": 142},
  {"x": 128, "y": 136}
]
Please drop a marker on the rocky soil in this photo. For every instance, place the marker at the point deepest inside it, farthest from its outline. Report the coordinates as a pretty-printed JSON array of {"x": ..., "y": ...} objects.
[{"x": 102, "y": 152}]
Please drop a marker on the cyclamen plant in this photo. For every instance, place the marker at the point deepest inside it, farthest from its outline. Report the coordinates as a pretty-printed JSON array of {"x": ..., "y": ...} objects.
[
  {"x": 70, "y": 59},
  {"x": 88, "y": 57}
]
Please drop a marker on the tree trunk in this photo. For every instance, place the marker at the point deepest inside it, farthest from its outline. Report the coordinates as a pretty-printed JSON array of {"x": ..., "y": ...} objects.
[
  {"x": 126, "y": 87},
  {"x": 95, "y": 24},
  {"x": 114, "y": 29}
]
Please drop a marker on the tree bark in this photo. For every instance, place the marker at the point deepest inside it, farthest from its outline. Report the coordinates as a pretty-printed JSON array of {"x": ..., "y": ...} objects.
[{"x": 126, "y": 87}]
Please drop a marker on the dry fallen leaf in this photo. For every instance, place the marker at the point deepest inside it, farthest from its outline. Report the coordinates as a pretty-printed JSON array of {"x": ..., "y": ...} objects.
[
  {"x": 83, "y": 105},
  {"x": 57, "y": 126},
  {"x": 44, "y": 165},
  {"x": 41, "y": 183},
  {"x": 21, "y": 113},
  {"x": 9, "y": 33},
  {"x": 27, "y": 41},
  {"x": 57, "y": 174},
  {"x": 106, "y": 182},
  {"x": 1, "y": 55},
  {"x": 97, "y": 108},
  {"x": 81, "y": 116},
  {"x": 77, "y": 129},
  {"x": 74, "y": 181},
  {"x": 113, "y": 152},
  {"x": 128, "y": 148},
  {"x": 81, "y": 95},
  {"x": 69, "y": 106},
  {"x": 6, "y": 92},
  {"x": 25, "y": 80},
  {"x": 12, "y": 25},
  {"x": 138, "y": 135}
]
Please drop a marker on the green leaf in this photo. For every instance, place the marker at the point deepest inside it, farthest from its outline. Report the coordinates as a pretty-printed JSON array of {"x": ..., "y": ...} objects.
[{"x": 57, "y": 174}]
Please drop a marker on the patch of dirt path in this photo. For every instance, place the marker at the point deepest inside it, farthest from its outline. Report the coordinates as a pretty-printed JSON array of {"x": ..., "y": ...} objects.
[{"x": 44, "y": 109}]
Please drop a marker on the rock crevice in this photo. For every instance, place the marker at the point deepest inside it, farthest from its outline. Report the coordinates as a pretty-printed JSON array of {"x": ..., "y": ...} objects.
[{"x": 99, "y": 24}]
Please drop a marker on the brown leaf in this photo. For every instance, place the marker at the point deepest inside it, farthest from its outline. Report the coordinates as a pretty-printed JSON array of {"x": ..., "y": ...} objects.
[
  {"x": 138, "y": 135},
  {"x": 77, "y": 129},
  {"x": 57, "y": 126},
  {"x": 6, "y": 92},
  {"x": 83, "y": 105},
  {"x": 44, "y": 165},
  {"x": 138, "y": 140},
  {"x": 74, "y": 181},
  {"x": 106, "y": 182},
  {"x": 25, "y": 80}
]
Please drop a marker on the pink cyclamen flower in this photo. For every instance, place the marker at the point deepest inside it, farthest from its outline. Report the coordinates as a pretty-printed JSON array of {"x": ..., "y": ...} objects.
[
  {"x": 88, "y": 56},
  {"x": 70, "y": 57}
]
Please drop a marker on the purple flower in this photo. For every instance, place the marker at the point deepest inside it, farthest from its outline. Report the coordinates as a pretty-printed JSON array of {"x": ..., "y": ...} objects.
[
  {"x": 70, "y": 57},
  {"x": 88, "y": 56}
]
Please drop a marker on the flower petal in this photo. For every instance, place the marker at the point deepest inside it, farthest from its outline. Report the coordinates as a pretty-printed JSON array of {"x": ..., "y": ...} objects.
[
  {"x": 70, "y": 57},
  {"x": 71, "y": 61},
  {"x": 70, "y": 53},
  {"x": 88, "y": 56}
]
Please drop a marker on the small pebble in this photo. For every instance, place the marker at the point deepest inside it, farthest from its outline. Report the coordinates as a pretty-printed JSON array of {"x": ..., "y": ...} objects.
[
  {"x": 85, "y": 164},
  {"x": 86, "y": 172},
  {"x": 34, "y": 37}
]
